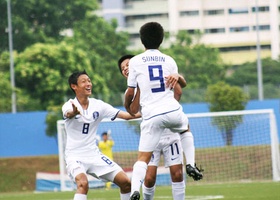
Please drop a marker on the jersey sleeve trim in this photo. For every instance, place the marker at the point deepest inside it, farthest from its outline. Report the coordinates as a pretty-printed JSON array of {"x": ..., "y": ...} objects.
[{"x": 113, "y": 118}]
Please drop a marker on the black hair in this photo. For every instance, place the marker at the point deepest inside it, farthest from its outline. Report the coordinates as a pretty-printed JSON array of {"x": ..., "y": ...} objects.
[
  {"x": 151, "y": 35},
  {"x": 104, "y": 133},
  {"x": 73, "y": 78},
  {"x": 122, "y": 59}
]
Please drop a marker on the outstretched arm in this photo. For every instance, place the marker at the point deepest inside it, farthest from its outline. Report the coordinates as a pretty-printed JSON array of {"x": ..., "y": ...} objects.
[
  {"x": 72, "y": 113},
  {"x": 127, "y": 116}
]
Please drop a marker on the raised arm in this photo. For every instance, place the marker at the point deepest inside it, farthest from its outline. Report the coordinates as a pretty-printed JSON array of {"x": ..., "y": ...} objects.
[
  {"x": 128, "y": 99},
  {"x": 135, "y": 105},
  {"x": 172, "y": 79}
]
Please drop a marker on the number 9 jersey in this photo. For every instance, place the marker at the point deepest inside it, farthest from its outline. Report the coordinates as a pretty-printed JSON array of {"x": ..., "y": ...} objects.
[{"x": 148, "y": 70}]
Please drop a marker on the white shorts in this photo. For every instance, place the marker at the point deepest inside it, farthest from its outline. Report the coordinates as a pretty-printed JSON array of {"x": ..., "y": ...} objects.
[
  {"x": 152, "y": 129},
  {"x": 99, "y": 166},
  {"x": 171, "y": 148}
]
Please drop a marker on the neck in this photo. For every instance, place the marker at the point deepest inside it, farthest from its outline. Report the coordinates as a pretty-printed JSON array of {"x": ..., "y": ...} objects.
[{"x": 83, "y": 102}]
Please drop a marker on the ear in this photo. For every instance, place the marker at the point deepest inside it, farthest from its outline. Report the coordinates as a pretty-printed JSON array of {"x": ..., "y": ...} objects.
[{"x": 73, "y": 86}]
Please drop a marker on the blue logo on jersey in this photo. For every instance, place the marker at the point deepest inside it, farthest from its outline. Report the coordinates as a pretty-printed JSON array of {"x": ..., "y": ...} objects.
[
  {"x": 152, "y": 158},
  {"x": 95, "y": 115}
]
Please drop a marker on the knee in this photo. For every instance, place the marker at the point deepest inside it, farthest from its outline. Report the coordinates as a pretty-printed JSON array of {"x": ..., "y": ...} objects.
[
  {"x": 82, "y": 185},
  {"x": 177, "y": 176},
  {"x": 123, "y": 181},
  {"x": 150, "y": 181},
  {"x": 125, "y": 187}
]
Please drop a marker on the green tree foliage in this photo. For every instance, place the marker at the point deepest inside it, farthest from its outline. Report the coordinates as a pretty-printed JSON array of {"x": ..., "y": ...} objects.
[
  {"x": 246, "y": 74},
  {"x": 104, "y": 46},
  {"x": 54, "y": 114},
  {"x": 36, "y": 21},
  {"x": 200, "y": 64},
  {"x": 223, "y": 97},
  {"x": 42, "y": 71}
]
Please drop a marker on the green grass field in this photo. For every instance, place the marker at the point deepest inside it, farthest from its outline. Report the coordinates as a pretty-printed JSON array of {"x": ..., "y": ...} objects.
[{"x": 229, "y": 191}]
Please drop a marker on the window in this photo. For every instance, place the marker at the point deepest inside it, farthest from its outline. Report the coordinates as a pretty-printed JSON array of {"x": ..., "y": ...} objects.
[
  {"x": 261, "y": 9},
  {"x": 262, "y": 27},
  {"x": 192, "y": 31},
  {"x": 237, "y": 10},
  {"x": 239, "y": 29},
  {"x": 243, "y": 48},
  {"x": 213, "y": 12},
  {"x": 214, "y": 30},
  {"x": 189, "y": 13}
]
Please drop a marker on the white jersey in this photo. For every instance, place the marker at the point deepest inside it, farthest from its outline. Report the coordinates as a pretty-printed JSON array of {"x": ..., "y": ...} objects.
[
  {"x": 81, "y": 129},
  {"x": 148, "y": 70}
]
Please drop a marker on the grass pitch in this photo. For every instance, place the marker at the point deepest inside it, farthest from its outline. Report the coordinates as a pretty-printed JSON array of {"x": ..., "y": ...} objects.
[{"x": 229, "y": 191}]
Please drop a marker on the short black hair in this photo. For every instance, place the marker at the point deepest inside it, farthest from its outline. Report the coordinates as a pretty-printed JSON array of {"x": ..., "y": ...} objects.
[
  {"x": 73, "y": 78},
  {"x": 128, "y": 56},
  {"x": 151, "y": 35},
  {"x": 104, "y": 133}
]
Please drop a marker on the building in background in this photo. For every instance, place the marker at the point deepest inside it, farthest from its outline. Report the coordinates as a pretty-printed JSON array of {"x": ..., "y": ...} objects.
[{"x": 230, "y": 25}]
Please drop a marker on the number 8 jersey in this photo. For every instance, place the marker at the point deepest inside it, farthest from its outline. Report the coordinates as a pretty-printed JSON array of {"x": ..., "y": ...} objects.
[
  {"x": 81, "y": 129},
  {"x": 148, "y": 70}
]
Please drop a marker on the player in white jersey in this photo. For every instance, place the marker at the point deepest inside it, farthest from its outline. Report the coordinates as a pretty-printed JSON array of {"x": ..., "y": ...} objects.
[
  {"x": 82, "y": 117},
  {"x": 159, "y": 108},
  {"x": 169, "y": 146}
]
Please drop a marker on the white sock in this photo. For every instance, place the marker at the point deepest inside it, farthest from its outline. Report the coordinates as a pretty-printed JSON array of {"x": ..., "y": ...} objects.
[
  {"x": 188, "y": 147},
  {"x": 178, "y": 190},
  {"x": 80, "y": 197},
  {"x": 138, "y": 175},
  {"x": 125, "y": 196},
  {"x": 148, "y": 193}
]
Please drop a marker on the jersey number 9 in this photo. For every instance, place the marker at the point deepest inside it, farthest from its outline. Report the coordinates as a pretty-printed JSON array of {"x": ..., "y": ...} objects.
[{"x": 155, "y": 72}]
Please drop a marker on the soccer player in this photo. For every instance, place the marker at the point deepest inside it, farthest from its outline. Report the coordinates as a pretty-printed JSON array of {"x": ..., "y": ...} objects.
[
  {"x": 169, "y": 145},
  {"x": 105, "y": 147},
  {"x": 82, "y": 117},
  {"x": 150, "y": 72}
]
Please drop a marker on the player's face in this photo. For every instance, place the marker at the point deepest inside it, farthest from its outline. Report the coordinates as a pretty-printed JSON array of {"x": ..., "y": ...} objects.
[
  {"x": 84, "y": 85},
  {"x": 124, "y": 67}
]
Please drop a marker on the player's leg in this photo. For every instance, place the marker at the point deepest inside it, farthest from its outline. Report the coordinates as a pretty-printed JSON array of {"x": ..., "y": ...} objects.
[
  {"x": 139, "y": 173},
  {"x": 178, "y": 183},
  {"x": 187, "y": 143},
  {"x": 150, "y": 136},
  {"x": 77, "y": 172},
  {"x": 104, "y": 168},
  {"x": 173, "y": 158},
  {"x": 82, "y": 187},
  {"x": 148, "y": 188},
  {"x": 123, "y": 181},
  {"x": 189, "y": 151}
]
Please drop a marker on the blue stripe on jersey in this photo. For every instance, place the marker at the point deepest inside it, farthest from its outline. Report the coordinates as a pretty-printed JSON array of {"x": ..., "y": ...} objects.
[{"x": 161, "y": 114}]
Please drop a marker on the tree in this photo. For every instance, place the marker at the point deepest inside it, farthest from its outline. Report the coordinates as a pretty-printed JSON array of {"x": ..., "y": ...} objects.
[
  {"x": 200, "y": 64},
  {"x": 42, "y": 71},
  {"x": 104, "y": 46},
  {"x": 246, "y": 74},
  {"x": 223, "y": 97},
  {"x": 36, "y": 21},
  {"x": 24, "y": 101}
]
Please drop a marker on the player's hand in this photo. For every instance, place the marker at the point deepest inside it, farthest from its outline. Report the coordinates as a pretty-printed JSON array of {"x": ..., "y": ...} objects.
[
  {"x": 74, "y": 112},
  {"x": 171, "y": 80},
  {"x": 75, "y": 109}
]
